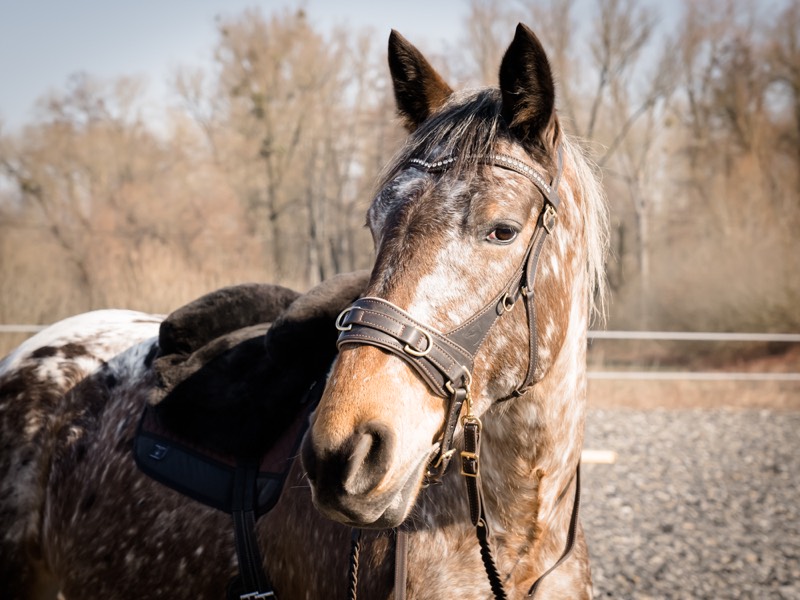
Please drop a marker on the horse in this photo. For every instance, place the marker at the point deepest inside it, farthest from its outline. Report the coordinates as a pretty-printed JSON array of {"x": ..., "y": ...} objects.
[{"x": 468, "y": 335}]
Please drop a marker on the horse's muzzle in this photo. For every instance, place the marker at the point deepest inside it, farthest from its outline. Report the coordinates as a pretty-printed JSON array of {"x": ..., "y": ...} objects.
[{"x": 351, "y": 482}]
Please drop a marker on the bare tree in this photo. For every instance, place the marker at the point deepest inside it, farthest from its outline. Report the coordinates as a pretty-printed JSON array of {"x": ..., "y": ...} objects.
[
  {"x": 783, "y": 73},
  {"x": 731, "y": 170},
  {"x": 273, "y": 154},
  {"x": 285, "y": 89}
]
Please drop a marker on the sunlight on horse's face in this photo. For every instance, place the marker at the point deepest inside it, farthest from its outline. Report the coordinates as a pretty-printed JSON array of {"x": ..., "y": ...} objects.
[{"x": 445, "y": 250}]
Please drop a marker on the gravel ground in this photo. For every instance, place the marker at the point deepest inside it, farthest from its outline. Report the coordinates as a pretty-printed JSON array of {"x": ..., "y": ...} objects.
[{"x": 699, "y": 504}]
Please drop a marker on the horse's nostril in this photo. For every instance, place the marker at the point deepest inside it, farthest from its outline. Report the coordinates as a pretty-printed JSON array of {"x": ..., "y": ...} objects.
[
  {"x": 355, "y": 467},
  {"x": 368, "y": 460}
]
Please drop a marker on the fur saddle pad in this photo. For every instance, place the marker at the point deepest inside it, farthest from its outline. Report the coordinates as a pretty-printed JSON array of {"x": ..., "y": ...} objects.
[{"x": 238, "y": 372}]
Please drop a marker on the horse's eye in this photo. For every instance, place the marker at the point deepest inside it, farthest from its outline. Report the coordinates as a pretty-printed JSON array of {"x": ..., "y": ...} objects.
[{"x": 502, "y": 234}]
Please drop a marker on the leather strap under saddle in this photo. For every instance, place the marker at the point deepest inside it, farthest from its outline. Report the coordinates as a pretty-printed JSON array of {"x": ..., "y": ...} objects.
[
  {"x": 243, "y": 487},
  {"x": 214, "y": 369}
]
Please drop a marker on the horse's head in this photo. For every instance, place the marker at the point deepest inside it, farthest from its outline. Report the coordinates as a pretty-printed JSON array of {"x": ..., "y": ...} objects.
[{"x": 455, "y": 224}]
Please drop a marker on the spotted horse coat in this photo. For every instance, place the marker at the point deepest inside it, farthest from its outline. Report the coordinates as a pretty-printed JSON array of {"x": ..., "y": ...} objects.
[
  {"x": 78, "y": 517},
  {"x": 451, "y": 222}
]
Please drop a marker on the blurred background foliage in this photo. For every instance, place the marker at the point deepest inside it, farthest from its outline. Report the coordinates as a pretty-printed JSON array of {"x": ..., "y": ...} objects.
[{"x": 263, "y": 166}]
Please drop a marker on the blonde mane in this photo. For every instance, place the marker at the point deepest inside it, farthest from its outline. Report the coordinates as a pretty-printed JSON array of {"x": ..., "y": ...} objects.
[{"x": 596, "y": 221}]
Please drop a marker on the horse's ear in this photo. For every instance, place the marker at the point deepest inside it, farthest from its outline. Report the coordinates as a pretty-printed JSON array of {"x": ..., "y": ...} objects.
[
  {"x": 527, "y": 86},
  {"x": 418, "y": 89}
]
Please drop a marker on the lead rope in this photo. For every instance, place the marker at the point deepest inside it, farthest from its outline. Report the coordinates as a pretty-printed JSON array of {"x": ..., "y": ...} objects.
[
  {"x": 355, "y": 553},
  {"x": 400, "y": 563}
]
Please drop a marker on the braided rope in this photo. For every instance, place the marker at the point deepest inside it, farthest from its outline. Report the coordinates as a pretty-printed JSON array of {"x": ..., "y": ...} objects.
[{"x": 355, "y": 552}]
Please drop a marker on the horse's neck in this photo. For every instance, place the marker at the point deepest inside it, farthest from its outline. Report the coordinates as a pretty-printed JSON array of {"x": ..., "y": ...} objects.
[{"x": 530, "y": 450}]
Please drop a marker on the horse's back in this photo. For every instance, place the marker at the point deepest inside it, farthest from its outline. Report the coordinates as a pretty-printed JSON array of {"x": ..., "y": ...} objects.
[
  {"x": 108, "y": 530},
  {"x": 35, "y": 410}
]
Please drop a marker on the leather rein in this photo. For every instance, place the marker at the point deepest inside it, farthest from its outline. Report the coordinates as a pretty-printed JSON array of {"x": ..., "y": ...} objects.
[{"x": 445, "y": 361}]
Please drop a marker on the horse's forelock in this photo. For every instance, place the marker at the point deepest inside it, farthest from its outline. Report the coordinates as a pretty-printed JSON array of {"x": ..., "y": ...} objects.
[{"x": 467, "y": 127}]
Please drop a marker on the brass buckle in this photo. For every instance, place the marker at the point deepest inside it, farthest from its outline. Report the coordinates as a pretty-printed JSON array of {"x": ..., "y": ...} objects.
[
  {"x": 443, "y": 457},
  {"x": 549, "y": 218},
  {"x": 420, "y": 353},
  {"x": 465, "y": 456},
  {"x": 341, "y": 317},
  {"x": 507, "y": 302},
  {"x": 470, "y": 418}
]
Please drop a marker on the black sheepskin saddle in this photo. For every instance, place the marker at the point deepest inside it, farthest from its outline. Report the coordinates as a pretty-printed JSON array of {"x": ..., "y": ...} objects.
[{"x": 238, "y": 372}]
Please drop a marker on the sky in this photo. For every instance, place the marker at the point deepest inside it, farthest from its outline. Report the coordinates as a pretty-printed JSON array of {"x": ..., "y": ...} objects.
[{"x": 44, "y": 42}]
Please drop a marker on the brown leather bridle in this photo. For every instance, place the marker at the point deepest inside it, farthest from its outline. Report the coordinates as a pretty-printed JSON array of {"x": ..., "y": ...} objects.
[{"x": 445, "y": 361}]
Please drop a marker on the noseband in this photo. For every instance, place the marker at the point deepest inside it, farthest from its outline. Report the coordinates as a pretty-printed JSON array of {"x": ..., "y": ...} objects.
[{"x": 445, "y": 360}]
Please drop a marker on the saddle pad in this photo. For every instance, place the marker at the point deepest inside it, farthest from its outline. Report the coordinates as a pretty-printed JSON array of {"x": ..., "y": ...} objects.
[{"x": 207, "y": 476}]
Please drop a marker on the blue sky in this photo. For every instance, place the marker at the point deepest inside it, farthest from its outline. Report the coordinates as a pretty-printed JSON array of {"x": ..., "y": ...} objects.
[{"x": 43, "y": 42}]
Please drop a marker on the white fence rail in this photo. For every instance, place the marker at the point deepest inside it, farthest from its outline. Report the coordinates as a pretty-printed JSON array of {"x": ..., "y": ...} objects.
[
  {"x": 652, "y": 375},
  {"x": 682, "y": 336},
  {"x": 690, "y": 376},
  {"x": 692, "y": 336}
]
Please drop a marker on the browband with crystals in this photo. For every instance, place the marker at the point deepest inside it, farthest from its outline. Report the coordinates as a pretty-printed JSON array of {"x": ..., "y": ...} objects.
[{"x": 500, "y": 160}]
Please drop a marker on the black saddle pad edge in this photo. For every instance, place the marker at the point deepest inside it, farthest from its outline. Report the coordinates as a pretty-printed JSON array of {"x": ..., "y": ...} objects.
[{"x": 209, "y": 478}]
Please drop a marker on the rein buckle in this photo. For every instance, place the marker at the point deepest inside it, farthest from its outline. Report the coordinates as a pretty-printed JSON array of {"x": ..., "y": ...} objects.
[{"x": 470, "y": 467}]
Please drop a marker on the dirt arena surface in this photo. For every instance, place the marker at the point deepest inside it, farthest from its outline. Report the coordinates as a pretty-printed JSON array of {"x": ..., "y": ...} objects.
[{"x": 702, "y": 499}]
